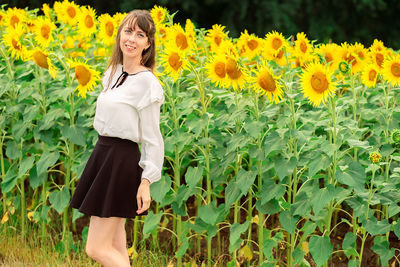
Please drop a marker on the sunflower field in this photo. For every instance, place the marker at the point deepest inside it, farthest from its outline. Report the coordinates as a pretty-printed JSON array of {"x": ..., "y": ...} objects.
[{"x": 279, "y": 151}]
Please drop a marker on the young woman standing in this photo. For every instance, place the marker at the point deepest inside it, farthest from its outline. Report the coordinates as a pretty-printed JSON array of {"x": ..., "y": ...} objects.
[{"x": 115, "y": 183}]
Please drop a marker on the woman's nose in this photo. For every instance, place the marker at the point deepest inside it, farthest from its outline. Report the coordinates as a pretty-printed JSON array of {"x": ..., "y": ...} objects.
[{"x": 132, "y": 37}]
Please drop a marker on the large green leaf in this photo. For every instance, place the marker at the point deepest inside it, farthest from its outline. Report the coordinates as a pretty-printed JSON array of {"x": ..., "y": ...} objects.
[
  {"x": 151, "y": 222},
  {"x": 354, "y": 177},
  {"x": 320, "y": 248},
  {"x": 375, "y": 227},
  {"x": 234, "y": 235},
  {"x": 381, "y": 247},
  {"x": 25, "y": 166},
  {"x": 209, "y": 213},
  {"x": 59, "y": 199},
  {"x": 318, "y": 163},
  {"x": 245, "y": 179},
  {"x": 74, "y": 133},
  {"x": 288, "y": 221},
  {"x": 160, "y": 188},
  {"x": 193, "y": 176},
  {"x": 47, "y": 160},
  {"x": 9, "y": 182},
  {"x": 349, "y": 244},
  {"x": 12, "y": 150}
]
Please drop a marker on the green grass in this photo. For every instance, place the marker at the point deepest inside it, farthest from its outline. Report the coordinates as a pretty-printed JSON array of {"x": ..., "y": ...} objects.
[{"x": 15, "y": 252}]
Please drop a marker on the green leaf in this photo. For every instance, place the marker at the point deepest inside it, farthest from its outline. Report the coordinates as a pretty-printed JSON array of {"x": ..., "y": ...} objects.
[
  {"x": 232, "y": 193},
  {"x": 320, "y": 163},
  {"x": 375, "y": 227},
  {"x": 59, "y": 199},
  {"x": 381, "y": 247},
  {"x": 74, "y": 133},
  {"x": 234, "y": 235},
  {"x": 245, "y": 179},
  {"x": 396, "y": 228},
  {"x": 26, "y": 165},
  {"x": 386, "y": 150},
  {"x": 320, "y": 249},
  {"x": 35, "y": 179},
  {"x": 271, "y": 207},
  {"x": 50, "y": 118},
  {"x": 253, "y": 128},
  {"x": 9, "y": 182},
  {"x": 160, "y": 188},
  {"x": 193, "y": 176},
  {"x": 349, "y": 244},
  {"x": 288, "y": 221},
  {"x": 209, "y": 213},
  {"x": 354, "y": 177},
  {"x": 358, "y": 143},
  {"x": 76, "y": 214},
  {"x": 47, "y": 160},
  {"x": 12, "y": 150},
  {"x": 151, "y": 222},
  {"x": 271, "y": 191}
]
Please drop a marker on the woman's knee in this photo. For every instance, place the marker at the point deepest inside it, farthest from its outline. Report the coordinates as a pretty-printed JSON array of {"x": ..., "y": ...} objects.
[{"x": 94, "y": 252}]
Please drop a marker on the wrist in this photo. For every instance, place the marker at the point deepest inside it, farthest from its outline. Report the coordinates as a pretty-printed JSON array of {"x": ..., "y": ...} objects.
[{"x": 145, "y": 181}]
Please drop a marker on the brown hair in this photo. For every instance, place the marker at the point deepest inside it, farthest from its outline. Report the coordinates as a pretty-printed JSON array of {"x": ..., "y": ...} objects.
[{"x": 144, "y": 21}]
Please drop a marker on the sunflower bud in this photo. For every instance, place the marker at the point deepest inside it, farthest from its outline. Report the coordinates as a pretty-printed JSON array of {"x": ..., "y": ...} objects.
[
  {"x": 344, "y": 67},
  {"x": 396, "y": 136},
  {"x": 375, "y": 157}
]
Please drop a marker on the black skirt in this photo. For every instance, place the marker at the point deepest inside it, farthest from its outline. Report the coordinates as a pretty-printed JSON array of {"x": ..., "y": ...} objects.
[{"x": 110, "y": 180}]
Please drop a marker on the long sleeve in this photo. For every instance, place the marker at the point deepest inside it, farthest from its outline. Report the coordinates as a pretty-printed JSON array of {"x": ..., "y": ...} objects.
[{"x": 152, "y": 144}]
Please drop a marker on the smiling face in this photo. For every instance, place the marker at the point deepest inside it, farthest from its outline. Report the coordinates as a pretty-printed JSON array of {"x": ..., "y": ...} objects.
[{"x": 133, "y": 41}]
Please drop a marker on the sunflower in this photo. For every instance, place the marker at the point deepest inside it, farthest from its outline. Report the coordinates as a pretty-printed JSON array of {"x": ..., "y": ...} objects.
[
  {"x": 377, "y": 46},
  {"x": 215, "y": 36},
  {"x": 174, "y": 61},
  {"x": 85, "y": 75},
  {"x": 235, "y": 74},
  {"x": 41, "y": 58},
  {"x": 14, "y": 16},
  {"x": 216, "y": 70},
  {"x": 274, "y": 42},
  {"x": 317, "y": 84},
  {"x": 162, "y": 34},
  {"x": 249, "y": 45},
  {"x": 227, "y": 47},
  {"x": 12, "y": 39},
  {"x": 67, "y": 12},
  {"x": 266, "y": 83},
  {"x": 107, "y": 29},
  {"x": 391, "y": 70},
  {"x": 329, "y": 55},
  {"x": 118, "y": 17},
  {"x": 158, "y": 14},
  {"x": 180, "y": 39},
  {"x": 369, "y": 75},
  {"x": 303, "y": 48},
  {"x": 190, "y": 30},
  {"x": 87, "y": 21},
  {"x": 44, "y": 31},
  {"x": 355, "y": 55},
  {"x": 46, "y": 10}
]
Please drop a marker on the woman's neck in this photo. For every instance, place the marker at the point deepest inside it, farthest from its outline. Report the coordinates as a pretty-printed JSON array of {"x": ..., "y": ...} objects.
[{"x": 131, "y": 66}]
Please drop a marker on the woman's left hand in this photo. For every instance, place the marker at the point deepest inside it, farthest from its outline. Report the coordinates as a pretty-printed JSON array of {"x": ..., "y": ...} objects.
[{"x": 143, "y": 196}]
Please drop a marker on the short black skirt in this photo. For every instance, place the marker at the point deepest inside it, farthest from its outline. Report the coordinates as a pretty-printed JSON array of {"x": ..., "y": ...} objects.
[{"x": 110, "y": 180}]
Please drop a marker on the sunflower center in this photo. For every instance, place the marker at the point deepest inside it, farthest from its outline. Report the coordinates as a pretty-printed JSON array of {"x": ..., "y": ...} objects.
[
  {"x": 252, "y": 44},
  {"x": 219, "y": 69},
  {"x": 45, "y": 31},
  {"x": 280, "y": 54},
  {"x": 319, "y": 83},
  {"x": 217, "y": 39},
  {"x": 181, "y": 41},
  {"x": 109, "y": 29},
  {"x": 163, "y": 33},
  {"x": 328, "y": 57},
  {"x": 160, "y": 15},
  {"x": 351, "y": 59},
  {"x": 14, "y": 20},
  {"x": 303, "y": 47},
  {"x": 82, "y": 74},
  {"x": 276, "y": 43},
  {"x": 16, "y": 45},
  {"x": 372, "y": 75},
  {"x": 71, "y": 12},
  {"x": 267, "y": 82},
  {"x": 379, "y": 59},
  {"x": 89, "y": 21},
  {"x": 232, "y": 69},
  {"x": 40, "y": 59},
  {"x": 395, "y": 69},
  {"x": 174, "y": 61}
]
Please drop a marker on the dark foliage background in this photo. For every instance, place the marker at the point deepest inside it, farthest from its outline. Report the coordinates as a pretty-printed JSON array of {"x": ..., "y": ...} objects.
[{"x": 323, "y": 20}]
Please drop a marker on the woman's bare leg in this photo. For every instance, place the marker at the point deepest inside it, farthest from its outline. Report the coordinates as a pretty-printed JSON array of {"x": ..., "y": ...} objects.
[
  {"x": 119, "y": 242},
  {"x": 99, "y": 244}
]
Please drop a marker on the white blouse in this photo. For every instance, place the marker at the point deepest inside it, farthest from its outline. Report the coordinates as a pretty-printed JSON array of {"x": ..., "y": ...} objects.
[{"x": 132, "y": 111}]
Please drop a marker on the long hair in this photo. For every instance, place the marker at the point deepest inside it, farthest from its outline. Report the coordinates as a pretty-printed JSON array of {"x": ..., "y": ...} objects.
[{"x": 144, "y": 21}]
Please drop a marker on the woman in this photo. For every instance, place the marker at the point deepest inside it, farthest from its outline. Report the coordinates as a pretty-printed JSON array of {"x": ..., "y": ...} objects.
[{"x": 115, "y": 183}]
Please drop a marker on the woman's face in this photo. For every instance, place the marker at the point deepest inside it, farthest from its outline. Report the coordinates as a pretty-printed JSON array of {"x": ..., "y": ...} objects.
[{"x": 133, "y": 41}]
